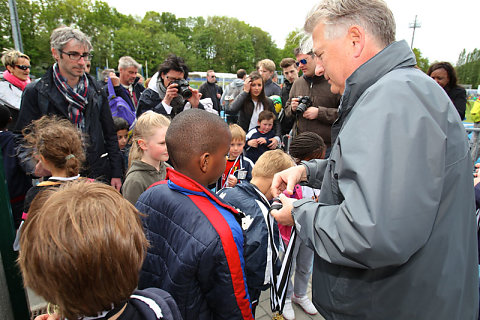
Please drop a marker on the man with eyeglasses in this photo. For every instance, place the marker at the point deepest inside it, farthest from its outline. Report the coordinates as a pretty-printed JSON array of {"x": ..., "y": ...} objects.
[
  {"x": 68, "y": 92},
  {"x": 210, "y": 89},
  {"x": 320, "y": 115},
  {"x": 164, "y": 95}
]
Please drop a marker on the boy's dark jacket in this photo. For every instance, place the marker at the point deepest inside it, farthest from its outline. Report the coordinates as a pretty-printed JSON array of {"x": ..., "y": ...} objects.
[
  {"x": 191, "y": 256},
  {"x": 18, "y": 182},
  {"x": 244, "y": 164},
  {"x": 246, "y": 197}
]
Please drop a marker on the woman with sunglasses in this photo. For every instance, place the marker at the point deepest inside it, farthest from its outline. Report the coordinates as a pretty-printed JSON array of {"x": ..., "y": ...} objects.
[
  {"x": 14, "y": 81},
  {"x": 250, "y": 103}
]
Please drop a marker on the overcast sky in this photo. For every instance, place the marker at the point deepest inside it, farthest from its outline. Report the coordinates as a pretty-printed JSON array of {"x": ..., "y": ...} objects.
[{"x": 447, "y": 27}]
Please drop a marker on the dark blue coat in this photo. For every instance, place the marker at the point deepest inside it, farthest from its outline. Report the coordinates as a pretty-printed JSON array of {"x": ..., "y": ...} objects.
[
  {"x": 246, "y": 198},
  {"x": 196, "y": 249}
]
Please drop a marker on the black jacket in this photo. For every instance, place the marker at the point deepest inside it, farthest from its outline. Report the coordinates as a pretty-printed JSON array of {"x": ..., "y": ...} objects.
[
  {"x": 458, "y": 95},
  {"x": 42, "y": 97},
  {"x": 243, "y": 104}
]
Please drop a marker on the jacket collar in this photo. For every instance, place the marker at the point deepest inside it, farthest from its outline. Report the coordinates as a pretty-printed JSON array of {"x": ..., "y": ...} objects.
[
  {"x": 180, "y": 182},
  {"x": 395, "y": 56}
]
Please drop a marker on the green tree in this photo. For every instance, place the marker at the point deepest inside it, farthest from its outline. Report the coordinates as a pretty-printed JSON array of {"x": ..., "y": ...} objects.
[
  {"x": 422, "y": 62},
  {"x": 468, "y": 69}
]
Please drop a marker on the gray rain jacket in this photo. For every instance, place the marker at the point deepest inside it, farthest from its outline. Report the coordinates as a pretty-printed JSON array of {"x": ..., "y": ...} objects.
[{"x": 394, "y": 230}]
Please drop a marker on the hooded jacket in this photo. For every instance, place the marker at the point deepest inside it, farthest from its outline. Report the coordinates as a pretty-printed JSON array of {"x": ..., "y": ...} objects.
[
  {"x": 231, "y": 92},
  {"x": 139, "y": 177},
  {"x": 394, "y": 228}
]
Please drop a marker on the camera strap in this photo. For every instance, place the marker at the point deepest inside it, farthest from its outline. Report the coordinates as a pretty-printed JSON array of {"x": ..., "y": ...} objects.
[{"x": 279, "y": 280}]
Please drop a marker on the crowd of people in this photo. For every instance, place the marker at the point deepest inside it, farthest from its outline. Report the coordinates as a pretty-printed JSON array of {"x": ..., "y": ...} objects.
[{"x": 155, "y": 200}]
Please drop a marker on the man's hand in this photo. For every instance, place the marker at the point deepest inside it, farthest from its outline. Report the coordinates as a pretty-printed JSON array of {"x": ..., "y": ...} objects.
[
  {"x": 284, "y": 215},
  {"x": 294, "y": 104},
  {"x": 311, "y": 113},
  {"x": 116, "y": 183},
  {"x": 195, "y": 98},
  {"x": 287, "y": 179},
  {"x": 115, "y": 79},
  {"x": 273, "y": 144}
]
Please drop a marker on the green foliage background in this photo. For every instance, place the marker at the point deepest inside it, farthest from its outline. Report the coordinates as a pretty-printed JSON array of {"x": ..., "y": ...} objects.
[{"x": 221, "y": 43}]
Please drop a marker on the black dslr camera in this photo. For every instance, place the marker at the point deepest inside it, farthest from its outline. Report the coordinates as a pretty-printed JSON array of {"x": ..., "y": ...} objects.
[
  {"x": 303, "y": 103},
  {"x": 183, "y": 88}
]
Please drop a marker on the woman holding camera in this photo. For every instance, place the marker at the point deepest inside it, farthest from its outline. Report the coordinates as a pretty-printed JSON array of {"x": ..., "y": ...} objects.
[
  {"x": 250, "y": 103},
  {"x": 168, "y": 92},
  {"x": 15, "y": 79}
]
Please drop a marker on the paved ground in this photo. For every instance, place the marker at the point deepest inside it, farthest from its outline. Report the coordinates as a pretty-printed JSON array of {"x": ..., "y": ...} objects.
[{"x": 264, "y": 312}]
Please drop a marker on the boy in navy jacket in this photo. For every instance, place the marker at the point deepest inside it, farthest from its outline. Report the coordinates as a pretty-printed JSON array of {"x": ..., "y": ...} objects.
[
  {"x": 253, "y": 200},
  {"x": 196, "y": 241},
  {"x": 259, "y": 138}
]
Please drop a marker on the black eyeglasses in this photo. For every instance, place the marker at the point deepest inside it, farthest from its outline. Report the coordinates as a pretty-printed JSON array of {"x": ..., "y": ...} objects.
[
  {"x": 22, "y": 67},
  {"x": 303, "y": 61},
  {"x": 75, "y": 56}
]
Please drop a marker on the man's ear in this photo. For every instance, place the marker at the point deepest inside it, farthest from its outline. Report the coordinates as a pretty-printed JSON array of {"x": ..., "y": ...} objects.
[
  {"x": 204, "y": 162},
  {"x": 55, "y": 54},
  {"x": 356, "y": 37}
]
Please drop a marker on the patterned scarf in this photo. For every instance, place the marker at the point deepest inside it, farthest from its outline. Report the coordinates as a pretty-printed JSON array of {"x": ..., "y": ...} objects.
[{"x": 77, "y": 100}]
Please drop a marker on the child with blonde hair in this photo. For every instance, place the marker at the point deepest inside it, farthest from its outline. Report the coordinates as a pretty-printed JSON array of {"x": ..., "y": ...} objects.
[{"x": 148, "y": 155}]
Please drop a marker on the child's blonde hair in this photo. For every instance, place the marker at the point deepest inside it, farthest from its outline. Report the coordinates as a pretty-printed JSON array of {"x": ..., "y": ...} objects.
[
  {"x": 144, "y": 129},
  {"x": 58, "y": 141},
  {"x": 237, "y": 132},
  {"x": 271, "y": 162}
]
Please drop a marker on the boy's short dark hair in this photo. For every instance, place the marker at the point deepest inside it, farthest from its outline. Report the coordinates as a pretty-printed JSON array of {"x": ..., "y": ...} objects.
[
  {"x": 272, "y": 162},
  {"x": 306, "y": 146},
  {"x": 266, "y": 115},
  {"x": 82, "y": 248},
  {"x": 5, "y": 116},
  {"x": 194, "y": 132},
  {"x": 287, "y": 62},
  {"x": 120, "y": 124},
  {"x": 241, "y": 73}
]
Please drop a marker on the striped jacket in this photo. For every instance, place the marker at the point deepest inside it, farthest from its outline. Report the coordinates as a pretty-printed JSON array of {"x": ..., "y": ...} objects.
[{"x": 196, "y": 249}]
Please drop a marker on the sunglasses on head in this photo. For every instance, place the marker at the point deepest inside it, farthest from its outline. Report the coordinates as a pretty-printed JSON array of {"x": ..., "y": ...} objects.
[
  {"x": 22, "y": 67},
  {"x": 303, "y": 61}
]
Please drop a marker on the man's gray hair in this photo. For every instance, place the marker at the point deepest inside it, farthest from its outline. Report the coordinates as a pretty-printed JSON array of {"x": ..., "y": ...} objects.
[
  {"x": 338, "y": 15},
  {"x": 62, "y": 35},
  {"x": 127, "y": 62}
]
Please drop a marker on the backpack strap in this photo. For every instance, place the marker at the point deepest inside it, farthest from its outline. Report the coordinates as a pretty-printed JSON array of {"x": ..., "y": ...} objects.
[
  {"x": 150, "y": 303},
  {"x": 111, "y": 90}
]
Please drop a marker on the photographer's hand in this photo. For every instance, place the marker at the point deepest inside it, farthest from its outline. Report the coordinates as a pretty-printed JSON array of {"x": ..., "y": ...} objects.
[
  {"x": 294, "y": 104},
  {"x": 195, "y": 98},
  {"x": 171, "y": 93},
  {"x": 311, "y": 113}
]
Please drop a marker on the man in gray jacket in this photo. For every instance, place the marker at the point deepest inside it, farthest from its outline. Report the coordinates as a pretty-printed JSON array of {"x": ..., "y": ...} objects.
[{"x": 394, "y": 228}]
